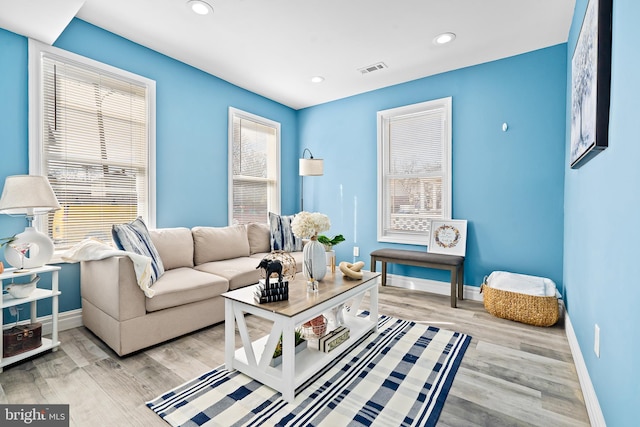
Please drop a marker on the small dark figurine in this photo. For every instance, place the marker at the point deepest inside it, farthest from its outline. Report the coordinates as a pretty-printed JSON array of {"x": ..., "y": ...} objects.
[{"x": 271, "y": 266}]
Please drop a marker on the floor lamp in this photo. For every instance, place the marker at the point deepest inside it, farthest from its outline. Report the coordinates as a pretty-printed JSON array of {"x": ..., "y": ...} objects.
[{"x": 308, "y": 167}]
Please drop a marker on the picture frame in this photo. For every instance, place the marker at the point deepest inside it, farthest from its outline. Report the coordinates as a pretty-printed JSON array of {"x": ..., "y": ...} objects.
[
  {"x": 448, "y": 237},
  {"x": 591, "y": 84}
]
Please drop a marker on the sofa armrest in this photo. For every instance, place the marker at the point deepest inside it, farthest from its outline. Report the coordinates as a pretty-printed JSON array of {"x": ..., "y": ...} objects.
[{"x": 110, "y": 285}]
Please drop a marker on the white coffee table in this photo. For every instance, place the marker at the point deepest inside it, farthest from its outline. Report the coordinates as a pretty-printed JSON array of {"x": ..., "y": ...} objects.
[{"x": 254, "y": 357}]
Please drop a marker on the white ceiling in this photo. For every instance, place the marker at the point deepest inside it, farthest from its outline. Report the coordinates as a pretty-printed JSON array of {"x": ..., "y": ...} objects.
[
  {"x": 42, "y": 20},
  {"x": 274, "y": 47}
]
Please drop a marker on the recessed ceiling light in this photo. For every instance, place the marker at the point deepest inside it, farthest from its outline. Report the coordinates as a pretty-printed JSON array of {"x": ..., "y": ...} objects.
[
  {"x": 200, "y": 7},
  {"x": 317, "y": 79},
  {"x": 444, "y": 38}
]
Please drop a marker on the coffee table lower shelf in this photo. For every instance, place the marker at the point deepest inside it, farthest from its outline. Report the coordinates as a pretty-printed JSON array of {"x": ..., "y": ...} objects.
[{"x": 307, "y": 362}]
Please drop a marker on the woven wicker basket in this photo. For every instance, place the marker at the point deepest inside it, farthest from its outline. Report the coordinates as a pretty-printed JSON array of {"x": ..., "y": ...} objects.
[{"x": 529, "y": 309}]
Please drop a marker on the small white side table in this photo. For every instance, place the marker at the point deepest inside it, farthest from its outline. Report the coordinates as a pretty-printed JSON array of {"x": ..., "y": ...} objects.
[{"x": 36, "y": 295}]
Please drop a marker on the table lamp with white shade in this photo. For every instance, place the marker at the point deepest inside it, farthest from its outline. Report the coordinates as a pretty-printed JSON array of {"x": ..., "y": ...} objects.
[{"x": 28, "y": 195}]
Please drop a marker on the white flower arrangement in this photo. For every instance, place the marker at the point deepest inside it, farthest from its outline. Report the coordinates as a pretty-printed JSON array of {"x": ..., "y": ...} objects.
[{"x": 307, "y": 224}]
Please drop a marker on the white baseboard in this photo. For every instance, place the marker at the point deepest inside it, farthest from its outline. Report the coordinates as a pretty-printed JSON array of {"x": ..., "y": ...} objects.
[
  {"x": 433, "y": 286},
  {"x": 66, "y": 320},
  {"x": 590, "y": 398}
]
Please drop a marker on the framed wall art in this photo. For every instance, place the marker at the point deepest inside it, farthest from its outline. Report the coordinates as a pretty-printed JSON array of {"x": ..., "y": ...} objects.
[
  {"x": 591, "y": 84},
  {"x": 448, "y": 236}
]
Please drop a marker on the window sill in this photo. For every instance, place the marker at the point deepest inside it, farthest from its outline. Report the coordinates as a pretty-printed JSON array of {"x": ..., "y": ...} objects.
[{"x": 421, "y": 240}]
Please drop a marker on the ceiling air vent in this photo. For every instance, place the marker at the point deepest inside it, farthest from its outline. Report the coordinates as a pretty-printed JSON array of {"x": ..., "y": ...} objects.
[{"x": 371, "y": 68}]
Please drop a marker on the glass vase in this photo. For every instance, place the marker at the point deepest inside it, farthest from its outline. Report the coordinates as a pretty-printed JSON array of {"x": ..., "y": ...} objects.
[{"x": 314, "y": 264}]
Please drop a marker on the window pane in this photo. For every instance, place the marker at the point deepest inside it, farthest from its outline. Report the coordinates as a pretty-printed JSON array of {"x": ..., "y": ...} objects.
[
  {"x": 413, "y": 202},
  {"x": 254, "y": 176},
  {"x": 95, "y": 150},
  {"x": 251, "y": 148},
  {"x": 249, "y": 201},
  {"x": 414, "y": 146}
]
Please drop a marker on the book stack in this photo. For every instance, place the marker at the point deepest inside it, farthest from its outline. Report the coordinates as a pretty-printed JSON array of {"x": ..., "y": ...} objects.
[
  {"x": 333, "y": 339},
  {"x": 271, "y": 291}
]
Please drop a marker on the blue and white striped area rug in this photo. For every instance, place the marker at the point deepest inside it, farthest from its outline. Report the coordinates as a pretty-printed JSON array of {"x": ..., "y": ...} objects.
[{"x": 399, "y": 377}]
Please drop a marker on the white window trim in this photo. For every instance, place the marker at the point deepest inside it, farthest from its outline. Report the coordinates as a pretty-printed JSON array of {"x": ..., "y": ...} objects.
[
  {"x": 412, "y": 238},
  {"x": 36, "y": 51},
  {"x": 264, "y": 121}
]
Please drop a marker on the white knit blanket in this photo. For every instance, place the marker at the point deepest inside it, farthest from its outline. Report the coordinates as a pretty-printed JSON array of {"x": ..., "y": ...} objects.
[
  {"x": 522, "y": 283},
  {"x": 91, "y": 250}
]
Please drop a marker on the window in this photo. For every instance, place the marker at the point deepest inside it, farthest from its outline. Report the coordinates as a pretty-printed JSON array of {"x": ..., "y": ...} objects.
[
  {"x": 414, "y": 170},
  {"x": 92, "y": 136},
  {"x": 254, "y": 167}
]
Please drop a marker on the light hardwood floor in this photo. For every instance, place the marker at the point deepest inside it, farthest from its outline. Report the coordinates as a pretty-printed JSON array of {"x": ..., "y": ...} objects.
[{"x": 511, "y": 375}]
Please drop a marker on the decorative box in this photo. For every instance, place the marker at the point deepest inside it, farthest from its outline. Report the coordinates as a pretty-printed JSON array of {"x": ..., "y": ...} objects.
[
  {"x": 333, "y": 339},
  {"x": 21, "y": 338}
]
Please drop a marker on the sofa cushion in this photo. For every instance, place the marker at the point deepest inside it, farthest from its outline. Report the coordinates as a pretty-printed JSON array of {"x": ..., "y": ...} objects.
[
  {"x": 219, "y": 243},
  {"x": 184, "y": 285},
  {"x": 175, "y": 246},
  {"x": 134, "y": 237},
  {"x": 259, "y": 237},
  {"x": 282, "y": 237},
  {"x": 239, "y": 272}
]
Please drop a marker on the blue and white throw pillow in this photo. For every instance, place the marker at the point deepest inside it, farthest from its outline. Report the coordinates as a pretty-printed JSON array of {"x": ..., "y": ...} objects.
[
  {"x": 134, "y": 237},
  {"x": 282, "y": 237}
]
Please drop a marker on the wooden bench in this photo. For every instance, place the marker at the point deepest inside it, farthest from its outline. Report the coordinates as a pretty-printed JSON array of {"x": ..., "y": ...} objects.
[{"x": 452, "y": 263}]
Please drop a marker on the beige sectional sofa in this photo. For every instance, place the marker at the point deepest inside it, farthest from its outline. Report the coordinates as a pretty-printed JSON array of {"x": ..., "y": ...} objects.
[{"x": 200, "y": 264}]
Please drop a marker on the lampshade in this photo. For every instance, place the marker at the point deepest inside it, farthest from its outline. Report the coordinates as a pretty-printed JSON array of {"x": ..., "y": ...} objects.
[
  {"x": 311, "y": 167},
  {"x": 27, "y": 195},
  {"x": 308, "y": 167}
]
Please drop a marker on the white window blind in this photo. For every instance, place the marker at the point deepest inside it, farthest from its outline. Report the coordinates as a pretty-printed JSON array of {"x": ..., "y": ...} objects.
[
  {"x": 414, "y": 170},
  {"x": 254, "y": 166},
  {"x": 94, "y": 147}
]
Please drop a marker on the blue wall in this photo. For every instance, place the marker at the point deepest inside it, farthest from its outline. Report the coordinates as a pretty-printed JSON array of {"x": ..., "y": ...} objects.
[
  {"x": 191, "y": 145},
  {"x": 601, "y": 240},
  {"x": 508, "y": 185}
]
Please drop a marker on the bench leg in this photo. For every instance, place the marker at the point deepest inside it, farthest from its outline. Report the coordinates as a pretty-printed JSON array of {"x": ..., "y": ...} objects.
[
  {"x": 384, "y": 269},
  {"x": 384, "y": 273},
  {"x": 461, "y": 282},
  {"x": 454, "y": 286}
]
